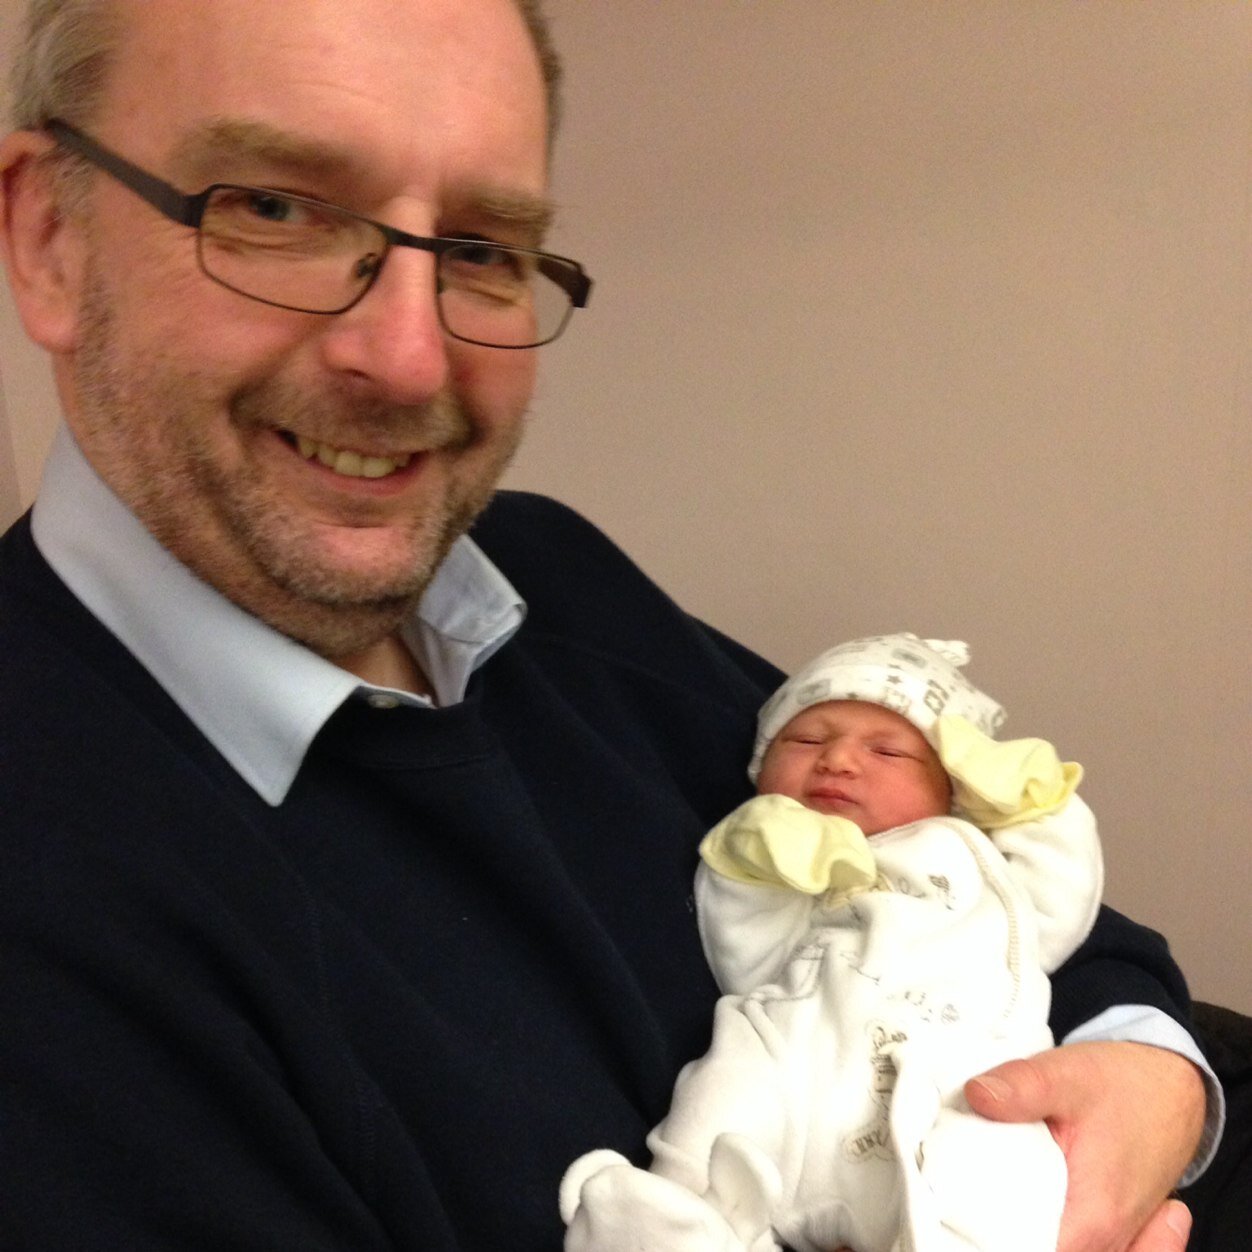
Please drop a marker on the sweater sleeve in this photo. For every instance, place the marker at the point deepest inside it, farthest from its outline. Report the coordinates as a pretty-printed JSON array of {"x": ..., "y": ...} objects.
[{"x": 1120, "y": 962}]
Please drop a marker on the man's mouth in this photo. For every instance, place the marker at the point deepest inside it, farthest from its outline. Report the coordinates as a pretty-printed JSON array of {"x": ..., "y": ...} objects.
[{"x": 347, "y": 462}]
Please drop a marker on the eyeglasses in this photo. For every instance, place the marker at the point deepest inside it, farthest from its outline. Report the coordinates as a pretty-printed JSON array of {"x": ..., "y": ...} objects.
[{"x": 311, "y": 257}]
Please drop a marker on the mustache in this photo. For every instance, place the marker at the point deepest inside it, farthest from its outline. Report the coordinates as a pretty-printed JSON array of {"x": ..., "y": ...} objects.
[{"x": 334, "y": 418}]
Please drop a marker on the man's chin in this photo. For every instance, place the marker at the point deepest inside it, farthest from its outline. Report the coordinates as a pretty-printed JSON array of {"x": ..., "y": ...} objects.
[
  {"x": 340, "y": 588},
  {"x": 378, "y": 588},
  {"x": 347, "y": 566},
  {"x": 336, "y": 613}
]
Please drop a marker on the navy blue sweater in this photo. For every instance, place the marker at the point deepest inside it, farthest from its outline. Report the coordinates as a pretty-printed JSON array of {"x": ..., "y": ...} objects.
[{"x": 388, "y": 1012}]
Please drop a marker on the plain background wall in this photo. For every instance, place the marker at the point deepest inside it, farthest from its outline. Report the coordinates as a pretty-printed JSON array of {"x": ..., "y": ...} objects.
[
  {"x": 27, "y": 405},
  {"x": 927, "y": 317}
]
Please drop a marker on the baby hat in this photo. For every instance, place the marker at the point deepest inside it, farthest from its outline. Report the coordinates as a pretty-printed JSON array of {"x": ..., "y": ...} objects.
[{"x": 918, "y": 678}]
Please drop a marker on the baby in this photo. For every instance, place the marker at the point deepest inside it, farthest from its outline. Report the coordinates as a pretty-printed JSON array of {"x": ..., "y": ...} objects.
[{"x": 883, "y": 918}]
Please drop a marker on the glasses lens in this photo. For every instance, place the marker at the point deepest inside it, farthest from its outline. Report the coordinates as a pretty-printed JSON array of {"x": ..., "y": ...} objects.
[
  {"x": 502, "y": 297},
  {"x": 286, "y": 250}
]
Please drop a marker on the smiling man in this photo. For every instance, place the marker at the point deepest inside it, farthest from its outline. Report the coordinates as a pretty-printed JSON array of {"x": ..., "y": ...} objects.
[
  {"x": 200, "y": 409},
  {"x": 346, "y": 848}
]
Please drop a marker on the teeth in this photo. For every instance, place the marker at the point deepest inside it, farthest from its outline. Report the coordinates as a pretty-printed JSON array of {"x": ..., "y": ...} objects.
[{"x": 348, "y": 463}]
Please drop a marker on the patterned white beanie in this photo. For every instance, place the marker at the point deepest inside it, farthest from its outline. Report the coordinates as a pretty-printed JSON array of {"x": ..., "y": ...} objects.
[{"x": 918, "y": 678}]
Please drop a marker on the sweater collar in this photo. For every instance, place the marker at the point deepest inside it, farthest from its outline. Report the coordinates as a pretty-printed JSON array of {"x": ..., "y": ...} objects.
[{"x": 259, "y": 697}]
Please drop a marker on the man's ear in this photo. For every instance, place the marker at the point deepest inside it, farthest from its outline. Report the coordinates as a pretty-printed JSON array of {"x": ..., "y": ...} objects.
[{"x": 43, "y": 249}]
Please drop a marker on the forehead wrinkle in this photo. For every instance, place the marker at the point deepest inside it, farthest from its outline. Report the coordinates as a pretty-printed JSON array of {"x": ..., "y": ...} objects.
[{"x": 241, "y": 137}]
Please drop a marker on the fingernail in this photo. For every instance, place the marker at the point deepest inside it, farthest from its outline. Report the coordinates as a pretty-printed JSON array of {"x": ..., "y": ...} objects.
[
  {"x": 1178, "y": 1219},
  {"x": 995, "y": 1087}
]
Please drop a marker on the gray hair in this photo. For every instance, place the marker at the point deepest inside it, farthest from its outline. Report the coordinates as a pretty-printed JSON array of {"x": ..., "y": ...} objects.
[
  {"x": 549, "y": 59},
  {"x": 67, "y": 47},
  {"x": 61, "y": 61}
]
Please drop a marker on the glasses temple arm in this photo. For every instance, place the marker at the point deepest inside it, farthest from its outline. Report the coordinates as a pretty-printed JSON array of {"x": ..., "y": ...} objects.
[{"x": 185, "y": 210}]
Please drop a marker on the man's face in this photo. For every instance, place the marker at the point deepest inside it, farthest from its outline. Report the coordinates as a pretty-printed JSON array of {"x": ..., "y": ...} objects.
[
  {"x": 222, "y": 422},
  {"x": 858, "y": 761}
]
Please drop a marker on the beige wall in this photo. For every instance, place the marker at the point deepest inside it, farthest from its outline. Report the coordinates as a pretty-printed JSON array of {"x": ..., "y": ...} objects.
[
  {"x": 932, "y": 317},
  {"x": 28, "y": 411},
  {"x": 27, "y": 402},
  {"x": 936, "y": 317},
  {"x": 9, "y": 490}
]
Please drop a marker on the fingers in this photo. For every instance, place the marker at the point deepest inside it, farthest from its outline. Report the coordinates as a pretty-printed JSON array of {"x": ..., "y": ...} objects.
[
  {"x": 1035, "y": 1089},
  {"x": 1167, "y": 1231},
  {"x": 1122, "y": 1114}
]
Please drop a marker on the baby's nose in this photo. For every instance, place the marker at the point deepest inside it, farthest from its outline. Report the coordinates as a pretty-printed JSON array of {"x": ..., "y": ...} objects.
[{"x": 840, "y": 757}]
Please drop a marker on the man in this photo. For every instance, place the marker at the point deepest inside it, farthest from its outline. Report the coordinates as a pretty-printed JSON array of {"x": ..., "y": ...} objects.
[{"x": 342, "y": 909}]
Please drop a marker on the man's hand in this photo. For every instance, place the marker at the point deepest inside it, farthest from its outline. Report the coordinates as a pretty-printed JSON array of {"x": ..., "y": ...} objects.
[
  {"x": 1128, "y": 1118},
  {"x": 1166, "y": 1231}
]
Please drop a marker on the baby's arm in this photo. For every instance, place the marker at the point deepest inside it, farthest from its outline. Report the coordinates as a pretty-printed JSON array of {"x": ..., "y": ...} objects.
[
  {"x": 1056, "y": 861},
  {"x": 1023, "y": 796},
  {"x": 764, "y": 869}
]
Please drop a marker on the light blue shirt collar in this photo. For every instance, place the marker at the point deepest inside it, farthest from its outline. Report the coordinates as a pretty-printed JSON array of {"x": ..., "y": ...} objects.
[{"x": 258, "y": 696}]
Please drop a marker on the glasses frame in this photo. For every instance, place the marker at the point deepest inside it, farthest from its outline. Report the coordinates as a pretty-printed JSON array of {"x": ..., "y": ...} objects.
[{"x": 188, "y": 210}]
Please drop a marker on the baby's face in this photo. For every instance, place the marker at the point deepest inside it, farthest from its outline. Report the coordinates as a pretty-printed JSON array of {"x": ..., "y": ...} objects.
[{"x": 859, "y": 761}]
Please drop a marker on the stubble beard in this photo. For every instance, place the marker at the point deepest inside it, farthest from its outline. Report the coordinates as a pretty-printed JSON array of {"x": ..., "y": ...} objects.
[{"x": 148, "y": 426}]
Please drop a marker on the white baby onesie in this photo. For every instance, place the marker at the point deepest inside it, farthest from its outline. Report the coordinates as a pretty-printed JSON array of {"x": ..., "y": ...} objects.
[{"x": 829, "y": 1108}]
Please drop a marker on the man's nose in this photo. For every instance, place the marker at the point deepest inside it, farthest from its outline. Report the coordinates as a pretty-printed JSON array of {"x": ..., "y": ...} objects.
[{"x": 392, "y": 341}]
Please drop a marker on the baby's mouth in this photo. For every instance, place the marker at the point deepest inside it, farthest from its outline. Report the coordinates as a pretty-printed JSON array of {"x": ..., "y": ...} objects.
[{"x": 830, "y": 796}]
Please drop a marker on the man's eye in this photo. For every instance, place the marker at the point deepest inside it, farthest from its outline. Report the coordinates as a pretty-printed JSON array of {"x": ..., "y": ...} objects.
[
  {"x": 270, "y": 223},
  {"x": 250, "y": 208},
  {"x": 277, "y": 210},
  {"x": 490, "y": 258},
  {"x": 484, "y": 254},
  {"x": 272, "y": 208}
]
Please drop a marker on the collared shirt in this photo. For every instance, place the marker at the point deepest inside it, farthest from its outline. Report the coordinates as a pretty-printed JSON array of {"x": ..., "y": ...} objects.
[{"x": 259, "y": 697}]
